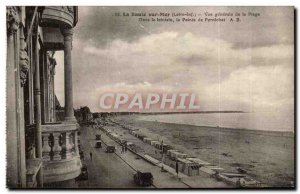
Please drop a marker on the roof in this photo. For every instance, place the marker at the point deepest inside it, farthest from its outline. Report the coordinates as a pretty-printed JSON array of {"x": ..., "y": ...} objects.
[
  {"x": 189, "y": 163},
  {"x": 184, "y": 160},
  {"x": 232, "y": 175},
  {"x": 199, "y": 161},
  {"x": 179, "y": 153},
  {"x": 172, "y": 151}
]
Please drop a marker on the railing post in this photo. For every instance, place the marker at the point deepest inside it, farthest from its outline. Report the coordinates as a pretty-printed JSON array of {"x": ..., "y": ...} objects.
[
  {"x": 76, "y": 143},
  {"x": 68, "y": 146},
  {"x": 56, "y": 147},
  {"x": 46, "y": 147}
]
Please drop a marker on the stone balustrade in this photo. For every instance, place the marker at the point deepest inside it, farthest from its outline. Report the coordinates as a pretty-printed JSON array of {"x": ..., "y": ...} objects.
[{"x": 61, "y": 159}]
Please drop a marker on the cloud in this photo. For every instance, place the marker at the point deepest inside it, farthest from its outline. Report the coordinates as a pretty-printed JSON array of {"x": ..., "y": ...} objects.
[
  {"x": 99, "y": 27},
  {"x": 177, "y": 53},
  {"x": 253, "y": 89},
  {"x": 231, "y": 67}
]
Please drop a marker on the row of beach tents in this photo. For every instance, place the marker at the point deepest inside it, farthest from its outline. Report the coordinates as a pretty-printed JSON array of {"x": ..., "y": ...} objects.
[{"x": 190, "y": 166}]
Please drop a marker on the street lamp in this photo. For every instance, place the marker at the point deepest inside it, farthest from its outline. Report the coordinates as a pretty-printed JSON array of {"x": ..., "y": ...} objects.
[{"x": 163, "y": 156}]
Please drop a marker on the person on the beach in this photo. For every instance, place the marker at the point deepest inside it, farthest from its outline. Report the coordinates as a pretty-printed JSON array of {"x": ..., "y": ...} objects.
[{"x": 91, "y": 156}]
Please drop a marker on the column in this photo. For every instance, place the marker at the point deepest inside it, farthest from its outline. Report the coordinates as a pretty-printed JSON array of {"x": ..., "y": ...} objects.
[
  {"x": 37, "y": 101},
  {"x": 69, "y": 112},
  {"x": 13, "y": 167}
]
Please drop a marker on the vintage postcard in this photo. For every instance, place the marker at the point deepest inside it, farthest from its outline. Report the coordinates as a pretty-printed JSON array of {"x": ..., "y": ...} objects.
[{"x": 165, "y": 97}]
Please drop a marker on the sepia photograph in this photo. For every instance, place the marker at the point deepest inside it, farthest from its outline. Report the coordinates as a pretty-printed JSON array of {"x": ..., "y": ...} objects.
[{"x": 150, "y": 97}]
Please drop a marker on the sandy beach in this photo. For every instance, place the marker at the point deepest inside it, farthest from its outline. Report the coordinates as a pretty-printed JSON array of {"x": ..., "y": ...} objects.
[{"x": 266, "y": 156}]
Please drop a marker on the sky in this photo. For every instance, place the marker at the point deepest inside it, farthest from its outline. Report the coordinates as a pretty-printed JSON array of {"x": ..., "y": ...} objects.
[{"x": 245, "y": 66}]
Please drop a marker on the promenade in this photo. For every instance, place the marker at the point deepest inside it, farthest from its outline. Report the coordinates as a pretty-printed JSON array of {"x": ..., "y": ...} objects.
[
  {"x": 106, "y": 170},
  {"x": 129, "y": 162}
]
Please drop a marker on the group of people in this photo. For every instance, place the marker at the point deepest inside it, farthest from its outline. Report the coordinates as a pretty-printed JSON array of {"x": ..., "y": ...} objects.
[{"x": 123, "y": 149}]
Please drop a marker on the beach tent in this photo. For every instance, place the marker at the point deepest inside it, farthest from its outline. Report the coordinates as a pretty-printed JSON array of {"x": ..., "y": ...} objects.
[
  {"x": 173, "y": 154},
  {"x": 169, "y": 152},
  {"x": 166, "y": 147},
  {"x": 188, "y": 167},
  {"x": 157, "y": 144},
  {"x": 178, "y": 155},
  {"x": 141, "y": 136},
  {"x": 153, "y": 143},
  {"x": 147, "y": 140},
  {"x": 137, "y": 134},
  {"x": 134, "y": 133},
  {"x": 131, "y": 130}
]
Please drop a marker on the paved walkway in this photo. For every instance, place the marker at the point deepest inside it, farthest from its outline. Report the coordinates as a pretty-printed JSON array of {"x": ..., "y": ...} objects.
[{"x": 106, "y": 170}]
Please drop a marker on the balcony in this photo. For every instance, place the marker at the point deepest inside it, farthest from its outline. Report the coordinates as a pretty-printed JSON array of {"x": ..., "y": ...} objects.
[
  {"x": 53, "y": 20},
  {"x": 59, "y": 16},
  {"x": 61, "y": 159}
]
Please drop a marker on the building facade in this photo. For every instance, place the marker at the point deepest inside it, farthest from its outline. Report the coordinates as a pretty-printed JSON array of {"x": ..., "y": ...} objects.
[{"x": 41, "y": 149}]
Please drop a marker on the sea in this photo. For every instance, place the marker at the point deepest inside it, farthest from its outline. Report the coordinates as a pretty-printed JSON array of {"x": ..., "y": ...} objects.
[{"x": 265, "y": 121}]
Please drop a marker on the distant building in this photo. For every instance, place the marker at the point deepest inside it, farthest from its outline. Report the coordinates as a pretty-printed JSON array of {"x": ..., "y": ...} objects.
[
  {"x": 96, "y": 115},
  {"x": 84, "y": 115},
  {"x": 41, "y": 149}
]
